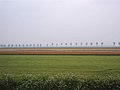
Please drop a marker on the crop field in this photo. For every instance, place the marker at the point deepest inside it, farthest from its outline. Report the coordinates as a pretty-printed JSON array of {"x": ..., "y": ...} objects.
[
  {"x": 61, "y": 50},
  {"x": 54, "y": 72},
  {"x": 55, "y": 64}
]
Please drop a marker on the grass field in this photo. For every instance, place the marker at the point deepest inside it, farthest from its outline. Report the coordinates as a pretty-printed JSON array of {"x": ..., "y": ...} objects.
[
  {"x": 56, "y": 64},
  {"x": 59, "y": 72}
]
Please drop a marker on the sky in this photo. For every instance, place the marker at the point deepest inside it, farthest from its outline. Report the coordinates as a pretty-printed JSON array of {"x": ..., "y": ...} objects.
[{"x": 56, "y": 21}]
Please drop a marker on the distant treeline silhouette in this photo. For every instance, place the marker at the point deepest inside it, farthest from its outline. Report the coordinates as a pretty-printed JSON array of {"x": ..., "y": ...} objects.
[{"x": 86, "y": 44}]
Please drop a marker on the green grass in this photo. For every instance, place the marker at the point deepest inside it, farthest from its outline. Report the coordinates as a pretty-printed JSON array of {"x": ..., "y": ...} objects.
[
  {"x": 59, "y": 72},
  {"x": 57, "y": 64}
]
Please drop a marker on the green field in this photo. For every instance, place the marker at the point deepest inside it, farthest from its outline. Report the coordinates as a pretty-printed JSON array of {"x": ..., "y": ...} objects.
[
  {"x": 57, "y": 64},
  {"x": 59, "y": 72}
]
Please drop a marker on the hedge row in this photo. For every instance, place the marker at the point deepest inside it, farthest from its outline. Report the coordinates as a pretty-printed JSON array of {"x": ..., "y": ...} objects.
[{"x": 26, "y": 82}]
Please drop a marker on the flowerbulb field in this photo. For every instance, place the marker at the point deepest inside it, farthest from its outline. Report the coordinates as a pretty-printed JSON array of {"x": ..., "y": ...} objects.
[
  {"x": 59, "y": 72},
  {"x": 57, "y": 64}
]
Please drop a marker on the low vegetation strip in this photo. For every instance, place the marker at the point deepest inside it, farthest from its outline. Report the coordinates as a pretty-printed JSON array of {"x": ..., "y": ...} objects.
[
  {"x": 59, "y": 53},
  {"x": 29, "y": 82},
  {"x": 61, "y": 50},
  {"x": 59, "y": 72},
  {"x": 53, "y": 64}
]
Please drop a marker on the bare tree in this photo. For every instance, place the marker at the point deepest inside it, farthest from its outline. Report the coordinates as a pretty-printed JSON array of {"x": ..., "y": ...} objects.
[
  {"x": 119, "y": 43},
  {"x": 3, "y": 45},
  {"x": 96, "y": 43},
  {"x": 12, "y": 45},
  {"x": 70, "y": 44},
  {"x": 8, "y": 45},
  {"x": 19, "y": 45},
  {"x": 113, "y": 43},
  {"x": 15, "y": 45},
  {"x": 40, "y": 45},
  {"x": 76, "y": 44},
  {"x": 33, "y": 45},
  {"x": 86, "y": 43},
  {"x": 61, "y": 44},
  {"x": 26, "y": 45},
  {"x": 37, "y": 45},
  {"x": 102, "y": 43},
  {"x": 66, "y": 44},
  {"x": 23, "y": 45},
  {"x": 52, "y": 44},
  {"x": 30, "y": 45},
  {"x": 81, "y": 43},
  {"x": 91, "y": 43},
  {"x": 56, "y": 44}
]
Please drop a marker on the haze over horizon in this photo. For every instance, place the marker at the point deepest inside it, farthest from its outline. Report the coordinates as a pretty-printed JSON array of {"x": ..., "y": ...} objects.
[{"x": 59, "y": 21}]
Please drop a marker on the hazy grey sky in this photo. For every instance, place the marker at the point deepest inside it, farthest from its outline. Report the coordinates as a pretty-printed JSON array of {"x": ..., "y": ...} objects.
[{"x": 45, "y": 21}]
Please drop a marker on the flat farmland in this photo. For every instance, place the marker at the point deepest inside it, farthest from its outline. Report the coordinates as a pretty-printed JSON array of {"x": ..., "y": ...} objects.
[
  {"x": 62, "y": 50},
  {"x": 59, "y": 72},
  {"x": 59, "y": 64}
]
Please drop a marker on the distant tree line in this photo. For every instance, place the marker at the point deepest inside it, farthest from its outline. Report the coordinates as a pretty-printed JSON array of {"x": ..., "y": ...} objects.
[{"x": 60, "y": 44}]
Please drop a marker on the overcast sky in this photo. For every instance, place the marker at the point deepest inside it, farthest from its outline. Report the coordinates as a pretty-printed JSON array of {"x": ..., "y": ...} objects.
[{"x": 46, "y": 21}]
